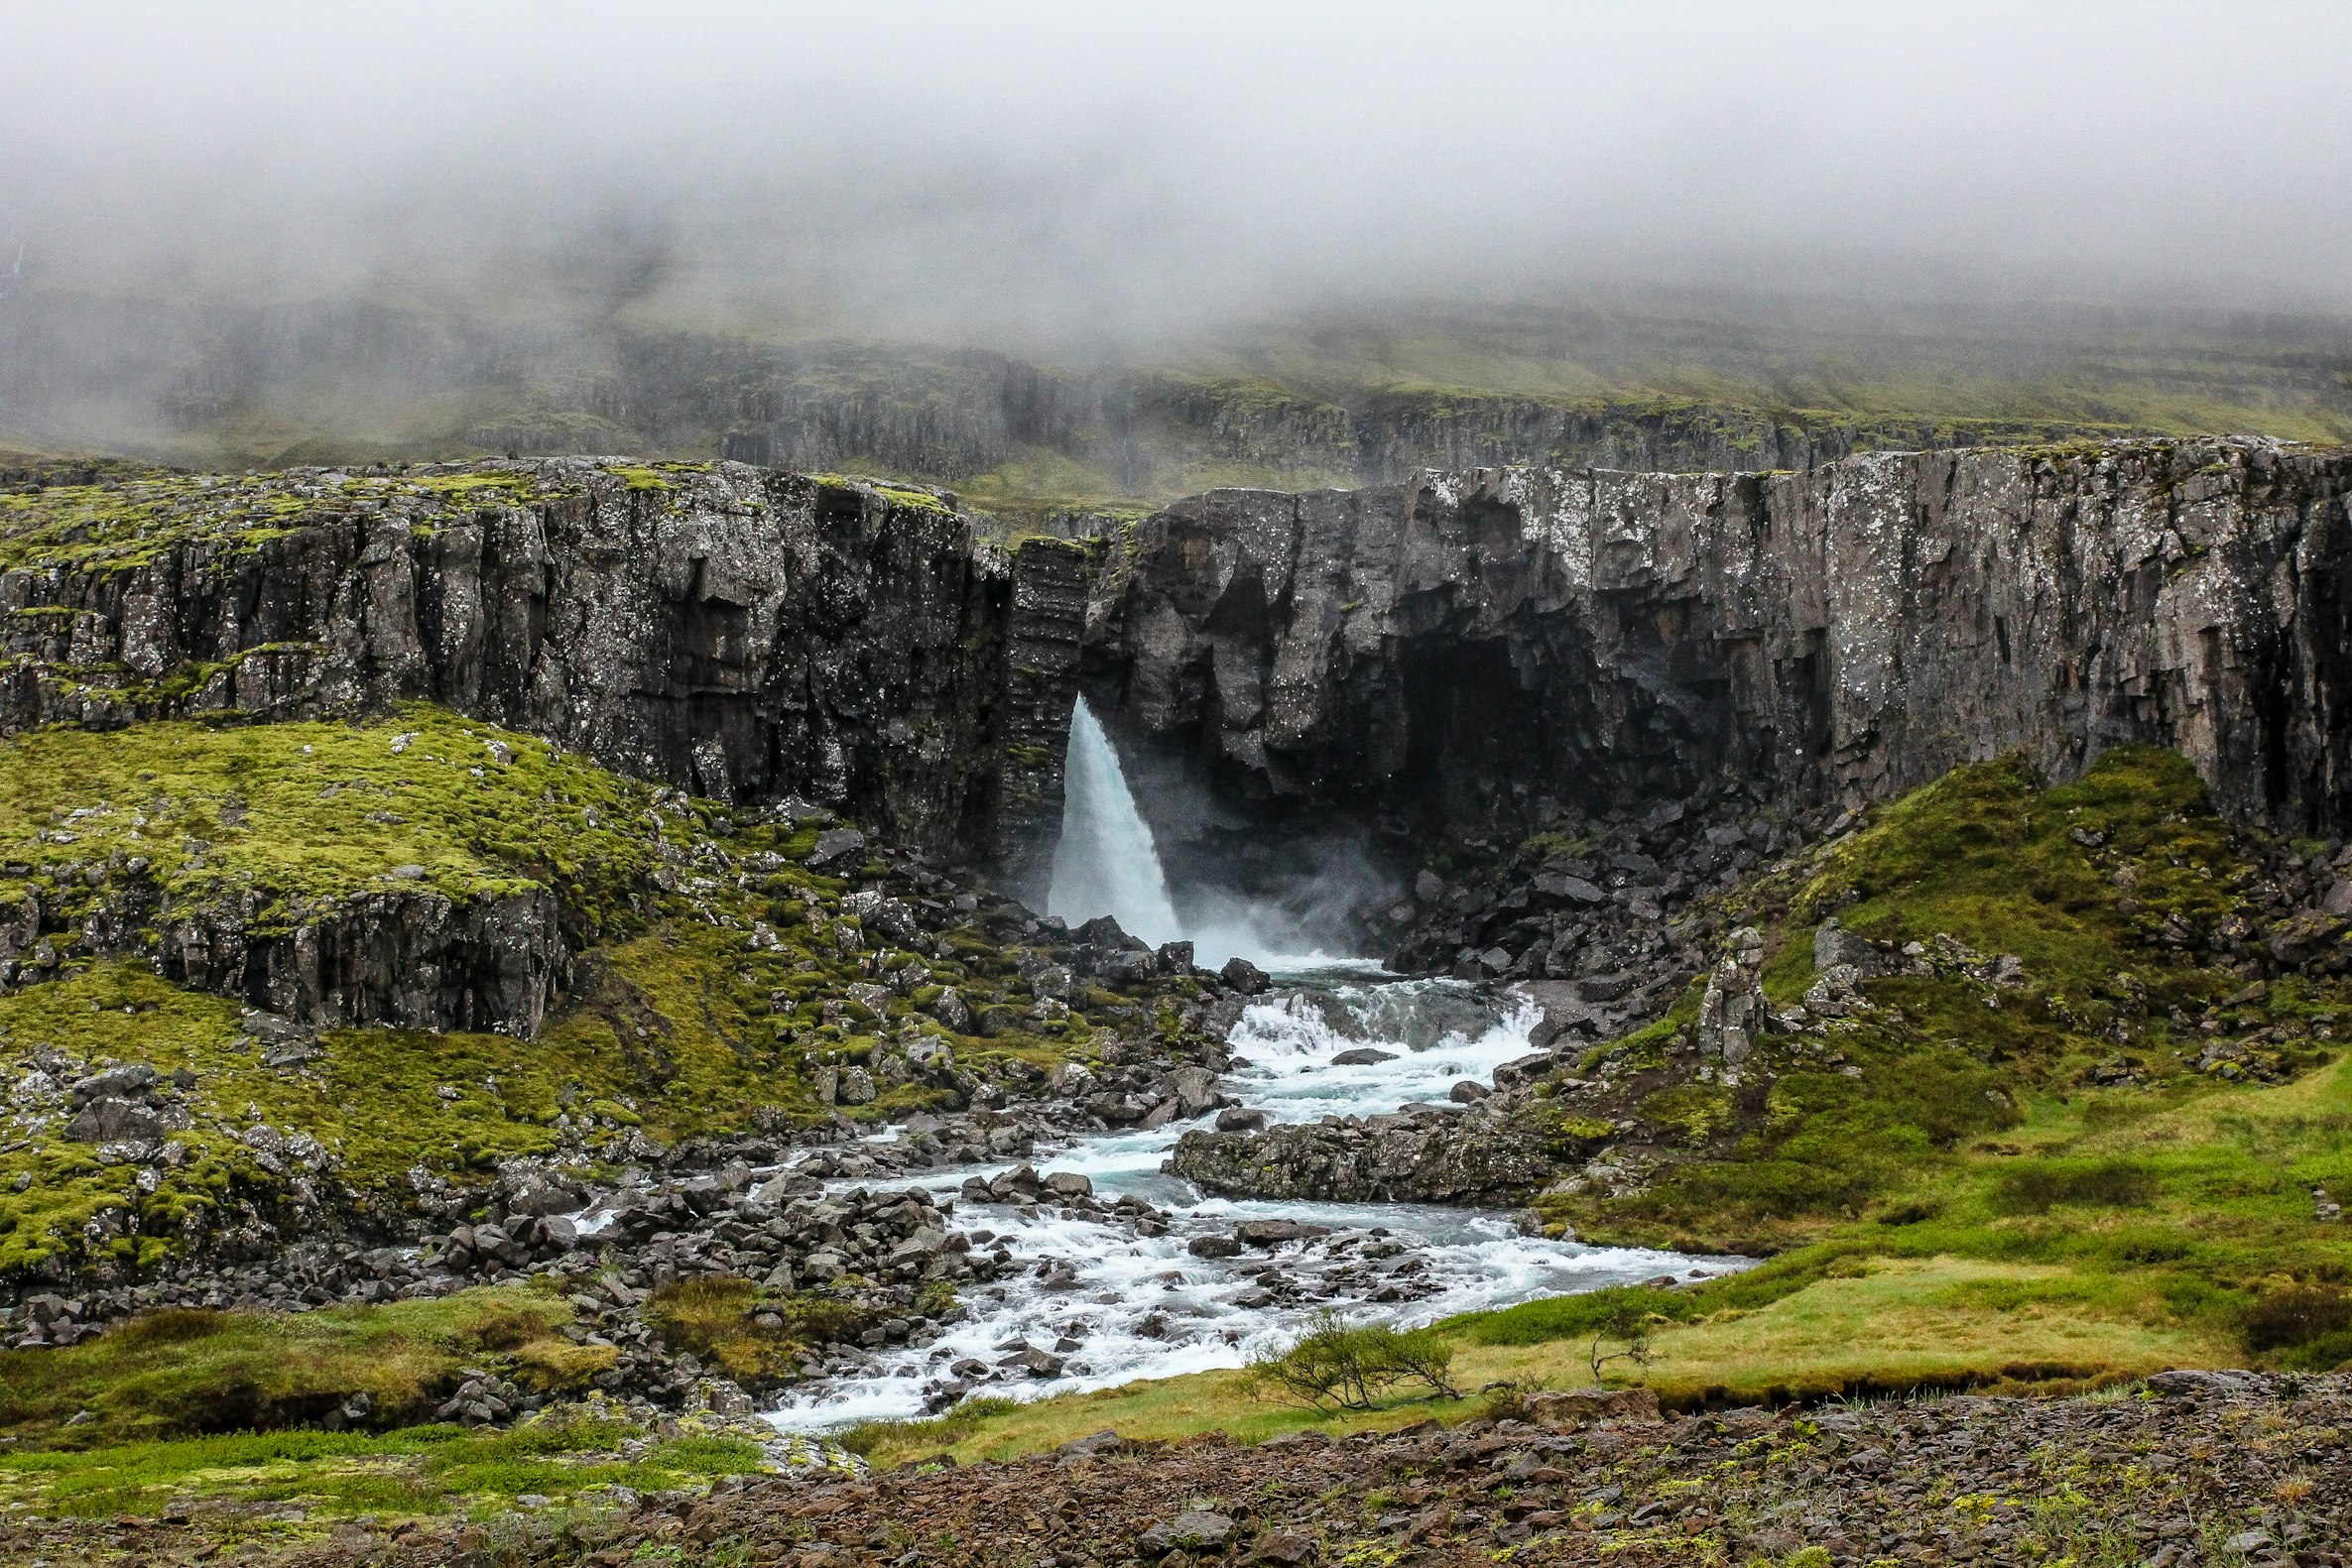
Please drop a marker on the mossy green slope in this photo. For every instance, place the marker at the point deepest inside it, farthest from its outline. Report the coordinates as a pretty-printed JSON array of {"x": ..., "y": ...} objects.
[
  {"x": 2125, "y": 902},
  {"x": 292, "y": 814},
  {"x": 713, "y": 971},
  {"x": 2124, "y": 1159}
]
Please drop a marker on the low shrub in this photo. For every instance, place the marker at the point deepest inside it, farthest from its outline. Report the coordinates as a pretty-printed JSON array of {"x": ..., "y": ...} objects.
[
  {"x": 2296, "y": 1315},
  {"x": 2109, "y": 1184},
  {"x": 1339, "y": 1366}
]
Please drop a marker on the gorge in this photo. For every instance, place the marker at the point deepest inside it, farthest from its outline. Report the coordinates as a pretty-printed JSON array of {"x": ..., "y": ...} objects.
[{"x": 1492, "y": 890}]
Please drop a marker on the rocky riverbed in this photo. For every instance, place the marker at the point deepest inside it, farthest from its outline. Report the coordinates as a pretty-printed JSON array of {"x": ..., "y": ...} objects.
[
  {"x": 2191, "y": 1468},
  {"x": 1113, "y": 1266}
]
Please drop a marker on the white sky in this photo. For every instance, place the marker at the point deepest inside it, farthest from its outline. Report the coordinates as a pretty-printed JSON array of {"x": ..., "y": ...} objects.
[{"x": 1122, "y": 169}]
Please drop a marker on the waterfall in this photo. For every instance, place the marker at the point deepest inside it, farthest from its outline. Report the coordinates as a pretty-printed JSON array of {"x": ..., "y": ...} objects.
[{"x": 1106, "y": 863}]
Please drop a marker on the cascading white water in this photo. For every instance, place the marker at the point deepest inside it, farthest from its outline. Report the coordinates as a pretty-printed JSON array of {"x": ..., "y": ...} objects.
[
  {"x": 1147, "y": 1306},
  {"x": 1106, "y": 863}
]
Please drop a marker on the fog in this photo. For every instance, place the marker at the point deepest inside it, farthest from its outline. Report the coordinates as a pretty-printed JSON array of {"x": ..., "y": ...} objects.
[{"x": 1021, "y": 173}]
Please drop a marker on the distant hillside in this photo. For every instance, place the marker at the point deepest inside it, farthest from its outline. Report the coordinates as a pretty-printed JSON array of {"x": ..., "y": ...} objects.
[{"x": 1667, "y": 383}]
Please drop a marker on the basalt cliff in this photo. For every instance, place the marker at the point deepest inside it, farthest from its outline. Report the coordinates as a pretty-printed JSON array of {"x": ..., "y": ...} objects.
[{"x": 1455, "y": 656}]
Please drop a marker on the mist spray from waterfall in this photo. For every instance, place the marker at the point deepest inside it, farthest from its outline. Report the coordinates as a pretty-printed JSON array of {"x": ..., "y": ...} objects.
[{"x": 1106, "y": 863}]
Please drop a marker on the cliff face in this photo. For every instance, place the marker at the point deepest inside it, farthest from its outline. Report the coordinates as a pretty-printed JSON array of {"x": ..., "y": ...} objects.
[
  {"x": 1458, "y": 655},
  {"x": 1477, "y": 650},
  {"x": 741, "y": 634}
]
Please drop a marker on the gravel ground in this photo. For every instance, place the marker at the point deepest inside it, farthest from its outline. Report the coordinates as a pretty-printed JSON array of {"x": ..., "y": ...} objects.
[{"x": 2202, "y": 1468}]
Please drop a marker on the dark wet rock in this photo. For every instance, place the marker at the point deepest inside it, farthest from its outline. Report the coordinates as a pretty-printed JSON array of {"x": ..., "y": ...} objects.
[
  {"x": 1214, "y": 1247},
  {"x": 108, "y": 1120},
  {"x": 837, "y": 848},
  {"x": 1194, "y": 1529},
  {"x": 1243, "y": 976},
  {"x": 1240, "y": 1118},
  {"x": 1426, "y": 1157},
  {"x": 1362, "y": 1057}
]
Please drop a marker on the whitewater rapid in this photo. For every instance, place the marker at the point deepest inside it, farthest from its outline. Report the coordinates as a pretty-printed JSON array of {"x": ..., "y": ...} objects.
[{"x": 1130, "y": 1306}]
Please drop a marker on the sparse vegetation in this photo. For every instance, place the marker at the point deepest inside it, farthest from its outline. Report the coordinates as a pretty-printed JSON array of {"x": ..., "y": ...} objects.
[{"x": 1336, "y": 1365}]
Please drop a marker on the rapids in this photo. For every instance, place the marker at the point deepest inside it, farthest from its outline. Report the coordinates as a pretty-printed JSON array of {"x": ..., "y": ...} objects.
[
  {"x": 1130, "y": 1306},
  {"x": 1116, "y": 1305}
]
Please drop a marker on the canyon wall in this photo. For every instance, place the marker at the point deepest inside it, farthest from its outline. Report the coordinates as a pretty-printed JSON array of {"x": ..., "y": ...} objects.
[
  {"x": 1461, "y": 654},
  {"x": 739, "y": 633},
  {"x": 1475, "y": 650}
]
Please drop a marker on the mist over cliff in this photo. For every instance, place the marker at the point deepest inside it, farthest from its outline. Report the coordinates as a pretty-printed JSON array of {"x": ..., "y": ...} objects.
[{"x": 261, "y": 232}]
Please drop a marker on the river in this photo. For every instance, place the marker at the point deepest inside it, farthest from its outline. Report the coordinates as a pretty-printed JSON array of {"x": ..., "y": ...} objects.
[{"x": 1112, "y": 1304}]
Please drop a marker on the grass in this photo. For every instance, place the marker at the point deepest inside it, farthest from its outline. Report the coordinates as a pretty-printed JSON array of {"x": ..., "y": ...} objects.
[
  {"x": 707, "y": 956},
  {"x": 189, "y": 1373},
  {"x": 420, "y": 1471}
]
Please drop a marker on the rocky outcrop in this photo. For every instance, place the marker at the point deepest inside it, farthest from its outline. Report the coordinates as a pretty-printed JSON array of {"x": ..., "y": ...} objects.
[
  {"x": 1424, "y": 1154},
  {"x": 1456, "y": 656},
  {"x": 738, "y": 633},
  {"x": 407, "y": 958},
  {"x": 1487, "y": 651},
  {"x": 418, "y": 961}
]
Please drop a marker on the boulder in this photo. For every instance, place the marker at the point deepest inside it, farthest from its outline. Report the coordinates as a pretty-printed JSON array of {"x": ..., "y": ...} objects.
[
  {"x": 1581, "y": 1406},
  {"x": 120, "y": 1083},
  {"x": 837, "y": 849},
  {"x": 1194, "y": 1530},
  {"x": 951, "y": 1009},
  {"x": 1274, "y": 1233},
  {"x": 1243, "y": 976},
  {"x": 113, "y": 1121}
]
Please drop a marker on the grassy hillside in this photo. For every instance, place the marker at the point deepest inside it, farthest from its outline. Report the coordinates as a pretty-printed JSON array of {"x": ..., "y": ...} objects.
[
  {"x": 714, "y": 969},
  {"x": 1295, "y": 401},
  {"x": 2119, "y": 1155},
  {"x": 2068, "y": 1133}
]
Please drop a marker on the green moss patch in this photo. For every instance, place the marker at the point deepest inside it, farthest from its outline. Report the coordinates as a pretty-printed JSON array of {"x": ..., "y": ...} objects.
[
  {"x": 288, "y": 815},
  {"x": 572, "y": 1457},
  {"x": 182, "y": 1371}
]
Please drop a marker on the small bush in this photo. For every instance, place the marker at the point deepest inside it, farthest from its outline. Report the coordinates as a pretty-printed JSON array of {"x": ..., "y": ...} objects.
[
  {"x": 1335, "y": 1365},
  {"x": 2111, "y": 1184},
  {"x": 715, "y": 1318},
  {"x": 2296, "y": 1315}
]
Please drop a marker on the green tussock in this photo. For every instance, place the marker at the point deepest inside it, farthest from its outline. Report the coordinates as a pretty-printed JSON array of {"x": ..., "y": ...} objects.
[
  {"x": 570, "y": 1458},
  {"x": 186, "y": 1373},
  {"x": 293, "y": 816},
  {"x": 718, "y": 1318}
]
